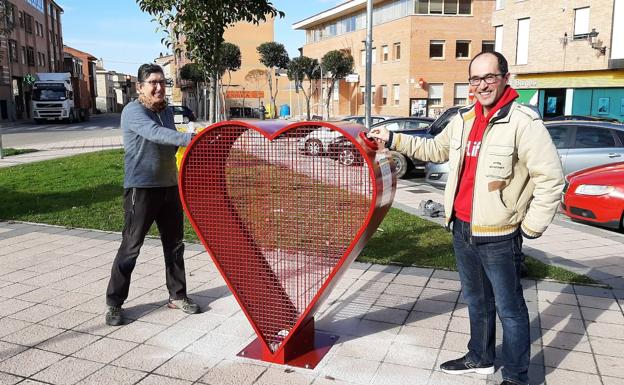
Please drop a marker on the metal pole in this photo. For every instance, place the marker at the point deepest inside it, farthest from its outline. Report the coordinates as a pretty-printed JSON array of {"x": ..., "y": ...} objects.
[
  {"x": 369, "y": 61},
  {"x": 322, "y": 96},
  {"x": 1, "y": 152}
]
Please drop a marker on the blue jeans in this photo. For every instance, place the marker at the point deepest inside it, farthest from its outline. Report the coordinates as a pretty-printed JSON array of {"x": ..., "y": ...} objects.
[{"x": 490, "y": 278}]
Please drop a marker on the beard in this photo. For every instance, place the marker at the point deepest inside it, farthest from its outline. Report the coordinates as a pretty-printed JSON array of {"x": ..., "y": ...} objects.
[{"x": 150, "y": 104}]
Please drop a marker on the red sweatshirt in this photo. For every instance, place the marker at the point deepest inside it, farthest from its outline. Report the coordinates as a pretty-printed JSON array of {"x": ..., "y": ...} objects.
[{"x": 463, "y": 200}]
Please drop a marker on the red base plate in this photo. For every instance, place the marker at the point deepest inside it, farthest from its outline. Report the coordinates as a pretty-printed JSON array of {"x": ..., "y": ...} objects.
[{"x": 308, "y": 357}]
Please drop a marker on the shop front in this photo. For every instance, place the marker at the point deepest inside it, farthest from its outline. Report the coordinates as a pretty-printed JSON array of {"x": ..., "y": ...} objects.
[{"x": 591, "y": 93}]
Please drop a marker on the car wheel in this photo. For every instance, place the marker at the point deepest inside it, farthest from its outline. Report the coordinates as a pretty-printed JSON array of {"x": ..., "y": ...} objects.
[
  {"x": 185, "y": 120},
  {"x": 400, "y": 163},
  {"x": 313, "y": 147},
  {"x": 346, "y": 157}
]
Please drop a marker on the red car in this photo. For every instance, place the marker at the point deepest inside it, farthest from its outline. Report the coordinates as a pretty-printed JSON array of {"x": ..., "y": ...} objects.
[{"x": 596, "y": 195}]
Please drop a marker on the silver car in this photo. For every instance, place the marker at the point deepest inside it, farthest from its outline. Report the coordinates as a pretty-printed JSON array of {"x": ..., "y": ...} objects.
[{"x": 580, "y": 144}]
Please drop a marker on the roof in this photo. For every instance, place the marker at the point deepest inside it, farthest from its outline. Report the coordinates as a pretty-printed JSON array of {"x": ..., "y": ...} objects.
[
  {"x": 343, "y": 9},
  {"x": 75, "y": 51}
]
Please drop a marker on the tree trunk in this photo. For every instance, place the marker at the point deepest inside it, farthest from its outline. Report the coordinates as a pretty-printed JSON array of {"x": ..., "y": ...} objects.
[
  {"x": 330, "y": 91},
  {"x": 213, "y": 98},
  {"x": 270, "y": 79}
]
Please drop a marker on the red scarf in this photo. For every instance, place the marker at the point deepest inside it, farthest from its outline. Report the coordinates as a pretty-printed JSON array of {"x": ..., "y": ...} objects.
[{"x": 463, "y": 200}]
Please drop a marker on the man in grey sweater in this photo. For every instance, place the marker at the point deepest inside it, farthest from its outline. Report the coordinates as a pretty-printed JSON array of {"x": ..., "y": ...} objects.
[{"x": 151, "y": 193}]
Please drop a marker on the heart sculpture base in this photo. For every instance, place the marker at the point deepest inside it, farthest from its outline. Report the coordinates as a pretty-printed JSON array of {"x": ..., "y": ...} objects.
[{"x": 304, "y": 350}]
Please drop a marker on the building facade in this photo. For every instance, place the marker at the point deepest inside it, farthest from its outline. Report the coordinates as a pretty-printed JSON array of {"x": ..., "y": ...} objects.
[
  {"x": 34, "y": 44},
  {"x": 114, "y": 89},
  {"x": 85, "y": 75},
  {"x": 243, "y": 91},
  {"x": 420, "y": 53},
  {"x": 167, "y": 62},
  {"x": 567, "y": 57}
]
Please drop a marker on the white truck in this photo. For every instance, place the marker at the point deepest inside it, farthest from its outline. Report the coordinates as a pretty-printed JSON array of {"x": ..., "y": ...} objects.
[{"x": 57, "y": 96}]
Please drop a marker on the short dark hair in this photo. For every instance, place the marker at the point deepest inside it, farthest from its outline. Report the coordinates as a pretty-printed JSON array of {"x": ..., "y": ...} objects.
[
  {"x": 503, "y": 67},
  {"x": 145, "y": 70}
]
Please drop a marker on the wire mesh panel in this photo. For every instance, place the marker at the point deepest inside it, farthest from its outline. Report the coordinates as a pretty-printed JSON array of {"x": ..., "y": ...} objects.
[{"x": 281, "y": 210}]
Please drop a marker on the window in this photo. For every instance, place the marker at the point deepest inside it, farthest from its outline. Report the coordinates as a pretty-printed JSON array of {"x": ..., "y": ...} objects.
[
  {"x": 498, "y": 38},
  {"x": 461, "y": 94},
  {"x": 30, "y": 56},
  {"x": 396, "y": 94},
  {"x": 415, "y": 125},
  {"x": 384, "y": 95},
  {"x": 462, "y": 49},
  {"x": 363, "y": 57},
  {"x": 384, "y": 53},
  {"x": 499, "y": 4},
  {"x": 373, "y": 94},
  {"x": 487, "y": 46},
  {"x": 560, "y": 135},
  {"x": 593, "y": 137},
  {"x": 581, "y": 23},
  {"x": 10, "y": 14},
  {"x": 620, "y": 134},
  {"x": 13, "y": 51},
  {"x": 446, "y": 7},
  {"x": 28, "y": 23},
  {"x": 397, "y": 51},
  {"x": 362, "y": 94},
  {"x": 23, "y": 56},
  {"x": 436, "y": 6},
  {"x": 522, "y": 49},
  {"x": 436, "y": 92},
  {"x": 436, "y": 49},
  {"x": 336, "y": 91},
  {"x": 374, "y": 55}
]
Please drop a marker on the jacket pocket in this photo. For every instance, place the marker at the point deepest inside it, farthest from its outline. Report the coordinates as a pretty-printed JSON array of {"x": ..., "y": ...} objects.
[{"x": 499, "y": 161}]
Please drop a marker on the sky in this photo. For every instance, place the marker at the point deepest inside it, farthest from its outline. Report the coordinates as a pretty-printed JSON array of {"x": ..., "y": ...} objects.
[{"x": 124, "y": 37}]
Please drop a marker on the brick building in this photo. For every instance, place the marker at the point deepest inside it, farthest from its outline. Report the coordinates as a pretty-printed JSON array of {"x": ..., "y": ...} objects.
[
  {"x": 86, "y": 74},
  {"x": 567, "y": 57},
  {"x": 35, "y": 44},
  {"x": 421, "y": 51}
]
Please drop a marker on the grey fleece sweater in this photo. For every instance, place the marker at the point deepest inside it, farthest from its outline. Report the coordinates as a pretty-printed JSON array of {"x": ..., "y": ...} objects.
[{"x": 150, "y": 143}]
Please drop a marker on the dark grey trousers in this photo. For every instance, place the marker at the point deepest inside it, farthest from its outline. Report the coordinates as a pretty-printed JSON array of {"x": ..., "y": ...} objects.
[{"x": 142, "y": 207}]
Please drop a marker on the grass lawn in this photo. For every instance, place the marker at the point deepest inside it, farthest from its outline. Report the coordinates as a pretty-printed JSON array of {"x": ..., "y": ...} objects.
[
  {"x": 86, "y": 191},
  {"x": 17, "y": 151}
]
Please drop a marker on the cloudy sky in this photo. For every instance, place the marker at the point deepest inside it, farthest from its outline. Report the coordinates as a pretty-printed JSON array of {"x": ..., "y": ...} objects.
[{"x": 124, "y": 37}]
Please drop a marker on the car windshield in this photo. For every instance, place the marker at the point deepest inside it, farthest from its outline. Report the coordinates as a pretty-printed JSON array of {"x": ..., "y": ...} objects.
[{"x": 49, "y": 94}]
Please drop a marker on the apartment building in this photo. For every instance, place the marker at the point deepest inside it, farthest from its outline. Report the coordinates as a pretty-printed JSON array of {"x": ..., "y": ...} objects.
[
  {"x": 86, "y": 74},
  {"x": 241, "y": 94},
  {"x": 114, "y": 89},
  {"x": 421, "y": 51},
  {"x": 35, "y": 44},
  {"x": 167, "y": 62},
  {"x": 567, "y": 56}
]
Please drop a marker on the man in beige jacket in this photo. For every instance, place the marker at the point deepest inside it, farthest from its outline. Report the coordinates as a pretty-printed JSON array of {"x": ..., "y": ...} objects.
[{"x": 505, "y": 182}]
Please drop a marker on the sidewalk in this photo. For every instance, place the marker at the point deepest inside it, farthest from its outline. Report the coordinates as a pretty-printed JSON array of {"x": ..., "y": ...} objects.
[{"x": 395, "y": 325}]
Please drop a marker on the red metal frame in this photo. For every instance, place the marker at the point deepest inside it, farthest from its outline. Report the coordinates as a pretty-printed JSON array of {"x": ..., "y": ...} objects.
[{"x": 262, "y": 209}]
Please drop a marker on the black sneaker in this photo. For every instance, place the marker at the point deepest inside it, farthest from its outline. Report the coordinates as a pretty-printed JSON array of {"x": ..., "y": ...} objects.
[
  {"x": 184, "y": 304},
  {"x": 113, "y": 316},
  {"x": 463, "y": 365}
]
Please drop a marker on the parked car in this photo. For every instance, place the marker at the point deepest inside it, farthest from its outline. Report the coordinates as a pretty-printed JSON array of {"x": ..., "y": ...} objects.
[
  {"x": 596, "y": 195},
  {"x": 182, "y": 114},
  {"x": 415, "y": 126},
  {"x": 360, "y": 119},
  {"x": 581, "y": 144},
  {"x": 440, "y": 123},
  {"x": 581, "y": 117}
]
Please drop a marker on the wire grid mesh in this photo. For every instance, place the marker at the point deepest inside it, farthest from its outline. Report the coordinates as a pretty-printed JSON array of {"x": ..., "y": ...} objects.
[{"x": 277, "y": 215}]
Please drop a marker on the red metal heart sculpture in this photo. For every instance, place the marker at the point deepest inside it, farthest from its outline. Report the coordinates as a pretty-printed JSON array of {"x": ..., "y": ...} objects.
[{"x": 283, "y": 211}]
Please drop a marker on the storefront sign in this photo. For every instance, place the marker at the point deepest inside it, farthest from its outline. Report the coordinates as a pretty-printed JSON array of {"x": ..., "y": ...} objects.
[
  {"x": 352, "y": 78},
  {"x": 244, "y": 95},
  {"x": 529, "y": 83}
]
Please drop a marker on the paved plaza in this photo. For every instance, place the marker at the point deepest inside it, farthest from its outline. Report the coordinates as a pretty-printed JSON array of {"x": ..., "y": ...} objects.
[{"x": 395, "y": 324}]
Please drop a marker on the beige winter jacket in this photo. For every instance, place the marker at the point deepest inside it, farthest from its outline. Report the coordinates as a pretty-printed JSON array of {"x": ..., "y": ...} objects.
[{"x": 519, "y": 177}]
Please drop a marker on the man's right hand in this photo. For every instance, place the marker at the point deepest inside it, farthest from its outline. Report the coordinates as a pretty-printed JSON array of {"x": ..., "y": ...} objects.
[{"x": 379, "y": 134}]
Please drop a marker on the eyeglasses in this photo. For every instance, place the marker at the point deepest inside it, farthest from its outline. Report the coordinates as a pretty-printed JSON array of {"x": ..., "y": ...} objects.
[
  {"x": 489, "y": 79},
  {"x": 154, "y": 83}
]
